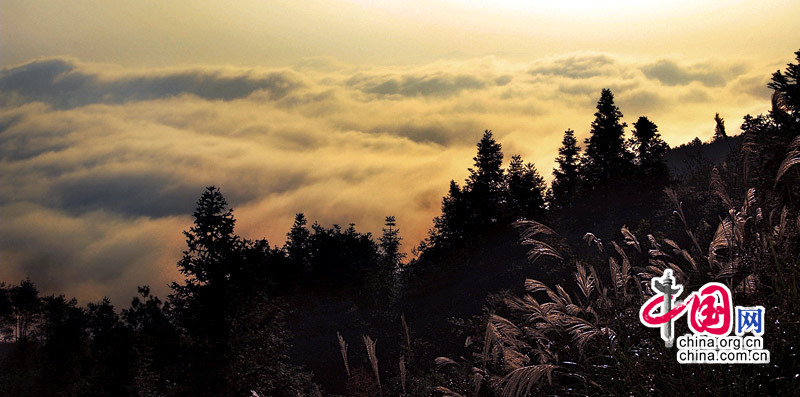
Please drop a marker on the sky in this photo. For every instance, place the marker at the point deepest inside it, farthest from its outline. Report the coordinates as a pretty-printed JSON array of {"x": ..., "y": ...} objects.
[{"x": 115, "y": 115}]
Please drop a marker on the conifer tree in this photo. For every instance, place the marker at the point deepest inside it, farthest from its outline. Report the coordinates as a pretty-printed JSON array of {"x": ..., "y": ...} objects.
[
  {"x": 485, "y": 183},
  {"x": 649, "y": 149},
  {"x": 390, "y": 242},
  {"x": 297, "y": 246},
  {"x": 450, "y": 227},
  {"x": 787, "y": 86},
  {"x": 211, "y": 242},
  {"x": 231, "y": 330},
  {"x": 525, "y": 191},
  {"x": 605, "y": 155},
  {"x": 567, "y": 176}
]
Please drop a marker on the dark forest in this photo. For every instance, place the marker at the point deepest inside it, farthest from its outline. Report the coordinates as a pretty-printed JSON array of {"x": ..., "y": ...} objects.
[{"x": 520, "y": 288}]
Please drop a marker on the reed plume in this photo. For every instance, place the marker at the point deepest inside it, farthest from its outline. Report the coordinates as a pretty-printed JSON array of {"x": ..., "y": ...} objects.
[
  {"x": 373, "y": 358},
  {"x": 343, "y": 349}
]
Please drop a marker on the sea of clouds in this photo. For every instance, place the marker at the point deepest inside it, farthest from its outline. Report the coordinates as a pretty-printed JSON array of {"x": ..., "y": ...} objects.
[{"x": 101, "y": 165}]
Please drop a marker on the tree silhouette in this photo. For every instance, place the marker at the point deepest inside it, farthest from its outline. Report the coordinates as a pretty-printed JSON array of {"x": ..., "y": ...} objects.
[
  {"x": 524, "y": 191},
  {"x": 6, "y": 314},
  {"x": 485, "y": 183},
  {"x": 155, "y": 343},
  {"x": 450, "y": 227},
  {"x": 26, "y": 307},
  {"x": 211, "y": 242},
  {"x": 66, "y": 354},
  {"x": 297, "y": 246},
  {"x": 110, "y": 344},
  {"x": 719, "y": 129},
  {"x": 227, "y": 283},
  {"x": 390, "y": 242},
  {"x": 605, "y": 155},
  {"x": 567, "y": 177},
  {"x": 787, "y": 86},
  {"x": 649, "y": 149}
]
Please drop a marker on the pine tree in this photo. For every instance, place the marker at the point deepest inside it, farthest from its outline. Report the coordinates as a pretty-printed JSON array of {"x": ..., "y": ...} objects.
[
  {"x": 719, "y": 129},
  {"x": 649, "y": 149},
  {"x": 211, "y": 241},
  {"x": 26, "y": 307},
  {"x": 605, "y": 155},
  {"x": 297, "y": 247},
  {"x": 524, "y": 190},
  {"x": 6, "y": 313},
  {"x": 567, "y": 176},
  {"x": 390, "y": 242},
  {"x": 485, "y": 184},
  {"x": 787, "y": 86},
  {"x": 225, "y": 289},
  {"x": 450, "y": 227}
]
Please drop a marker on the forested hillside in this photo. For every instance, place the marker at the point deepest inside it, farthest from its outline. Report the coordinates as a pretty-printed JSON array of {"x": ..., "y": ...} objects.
[{"x": 521, "y": 286}]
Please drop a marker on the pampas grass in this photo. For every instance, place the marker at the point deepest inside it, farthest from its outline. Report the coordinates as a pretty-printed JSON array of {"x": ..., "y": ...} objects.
[
  {"x": 343, "y": 349},
  {"x": 373, "y": 358}
]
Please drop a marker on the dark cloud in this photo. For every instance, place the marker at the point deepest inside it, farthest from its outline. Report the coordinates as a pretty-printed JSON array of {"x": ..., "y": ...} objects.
[
  {"x": 670, "y": 73},
  {"x": 503, "y": 80},
  {"x": 443, "y": 133},
  {"x": 127, "y": 192},
  {"x": 755, "y": 86},
  {"x": 639, "y": 102},
  {"x": 157, "y": 193},
  {"x": 574, "y": 67},
  {"x": 65, "y": 84},
  {"x": 425, "y": 85}
]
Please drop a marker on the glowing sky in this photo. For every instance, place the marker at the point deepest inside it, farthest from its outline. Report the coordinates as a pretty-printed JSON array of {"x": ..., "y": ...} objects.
[{"x": 115, "y": 115}]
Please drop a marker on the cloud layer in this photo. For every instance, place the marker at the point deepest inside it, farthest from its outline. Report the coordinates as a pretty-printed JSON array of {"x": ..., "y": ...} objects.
[{"x": 102, "y": 165}]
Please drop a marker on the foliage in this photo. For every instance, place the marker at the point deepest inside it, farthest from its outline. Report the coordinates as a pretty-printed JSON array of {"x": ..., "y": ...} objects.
[{"x": 565, "y": 319}]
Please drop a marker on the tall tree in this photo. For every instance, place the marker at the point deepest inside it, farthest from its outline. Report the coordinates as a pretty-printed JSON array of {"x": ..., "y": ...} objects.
[
  {"x": 525, "y": 191},
  {"x": 567, "y": 177},
  {"x": 719, "y": 128},
  {"x": 202, "y": 303},
  {"x": 649, "y": 149},
  {"x": 450, "y": 227},
  {"x": 223, "y": 288},
  {"x": 211, "y": 242},
  {"x": 485, "y": 183},
  {"x": 6, "y": 314},
  {"x": 26, "y": 306},
  {"x": 787, "y": 86},
  {"x": 110, "y": 345},
  {"x": 605, "y": 155},
  {"x": 155, "y": 344},
  {"x": 390, "y": 242},
  {"x": 297, "y": 247},
  {"x": 66, "y": 354},
  {"x": 488, "y": 163}
]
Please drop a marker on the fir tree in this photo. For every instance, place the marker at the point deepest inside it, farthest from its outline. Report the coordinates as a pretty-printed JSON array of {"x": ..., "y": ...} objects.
[
  {"x": 390, "y": 242},
  {"x": 297, "y": 247},
  {"x": 787, "y": 87},
  {"x": 566, "y": 178},
  {"x": 485, "y": 184},
  {"x": 524, "y": 190},
  {"x": 649, "y": 149},
  {"x": 605, "y": 155}
]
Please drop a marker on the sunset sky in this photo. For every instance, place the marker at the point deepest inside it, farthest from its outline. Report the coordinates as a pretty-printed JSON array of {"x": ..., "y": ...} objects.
[{"x": 115, "y": 115}]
